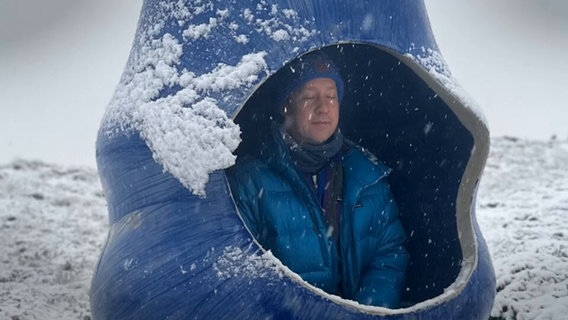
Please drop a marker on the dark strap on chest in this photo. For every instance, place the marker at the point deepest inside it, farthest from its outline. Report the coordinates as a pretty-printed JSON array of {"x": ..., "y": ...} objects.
[{"x": 333, "y": 197}]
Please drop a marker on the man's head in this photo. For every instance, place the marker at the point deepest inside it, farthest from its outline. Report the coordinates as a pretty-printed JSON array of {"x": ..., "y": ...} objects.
[{"x": 310, "y": 102}]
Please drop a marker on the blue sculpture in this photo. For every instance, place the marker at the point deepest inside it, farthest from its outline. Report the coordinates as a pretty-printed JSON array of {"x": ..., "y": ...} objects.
[{"x": 177, "y": 248}]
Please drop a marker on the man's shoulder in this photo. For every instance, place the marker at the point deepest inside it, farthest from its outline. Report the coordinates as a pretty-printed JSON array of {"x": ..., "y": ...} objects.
[
  {"x": 249, "y": 169},
  {"x": 248, "y": 165},
  {"x": 363, "y": 164},
  {"x": 247, "y": 160},
  {"x": 250, "y": 172}
]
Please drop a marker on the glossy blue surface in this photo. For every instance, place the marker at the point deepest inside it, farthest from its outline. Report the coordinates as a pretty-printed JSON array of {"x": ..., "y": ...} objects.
[{"x": 171, "y": 254}]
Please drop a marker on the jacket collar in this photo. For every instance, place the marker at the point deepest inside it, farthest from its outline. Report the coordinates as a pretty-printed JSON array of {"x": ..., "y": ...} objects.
[{"x": 361, "y": 168}]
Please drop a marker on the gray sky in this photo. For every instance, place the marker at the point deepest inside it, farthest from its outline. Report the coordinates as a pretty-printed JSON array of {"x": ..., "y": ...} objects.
[
  {"x": 510, "y": 56},
  {"x": 60, "y": 61}
]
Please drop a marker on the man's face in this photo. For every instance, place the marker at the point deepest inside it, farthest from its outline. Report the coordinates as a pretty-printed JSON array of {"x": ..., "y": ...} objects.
[{"x": 313, "y": 112}]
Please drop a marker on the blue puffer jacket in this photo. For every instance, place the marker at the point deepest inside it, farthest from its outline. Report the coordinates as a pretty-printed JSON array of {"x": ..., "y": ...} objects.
[{"x": 280, "y": 209}]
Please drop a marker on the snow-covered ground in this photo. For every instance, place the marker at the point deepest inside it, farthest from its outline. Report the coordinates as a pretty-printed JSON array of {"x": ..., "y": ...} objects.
[
  {"x": 53, "y": 224},
  {"x": 523, "y": 213}
]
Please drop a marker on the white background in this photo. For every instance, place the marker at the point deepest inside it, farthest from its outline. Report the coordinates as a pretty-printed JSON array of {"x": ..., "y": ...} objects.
[{"x": 60, "y": 61}]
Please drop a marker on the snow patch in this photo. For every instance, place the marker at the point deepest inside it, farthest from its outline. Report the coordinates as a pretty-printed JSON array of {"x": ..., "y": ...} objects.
[
  {"x": 190, "y": 142},
  {"x": 281, "y": 35},
  {"x": 277, "y": 29},
  {"x": 433, "y": 61},
  {"x": 241, "y": 38},
  {"x": 367, "y": 23},
  {"x": 187, "y": 131},
  {"x": 195, "y": 32},
  {"x": 236, "y": 262}
]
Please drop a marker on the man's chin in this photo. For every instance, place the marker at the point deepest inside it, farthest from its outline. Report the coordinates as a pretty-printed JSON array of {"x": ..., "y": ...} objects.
[{"x": 320, "y": 139}]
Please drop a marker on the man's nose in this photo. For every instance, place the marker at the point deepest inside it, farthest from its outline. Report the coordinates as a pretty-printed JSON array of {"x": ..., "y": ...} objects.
[{"x": 323, "y": 104}]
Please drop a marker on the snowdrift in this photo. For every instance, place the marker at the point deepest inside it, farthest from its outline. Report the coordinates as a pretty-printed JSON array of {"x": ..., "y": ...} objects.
[{"x": 196, "y": 93}]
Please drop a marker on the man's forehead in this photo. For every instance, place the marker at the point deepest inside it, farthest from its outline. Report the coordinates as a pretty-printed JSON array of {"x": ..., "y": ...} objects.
[{"x": 321, "y": 82}]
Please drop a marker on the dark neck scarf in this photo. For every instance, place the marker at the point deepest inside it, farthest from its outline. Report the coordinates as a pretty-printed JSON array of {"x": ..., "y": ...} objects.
[{"x": 310, "y": 158}]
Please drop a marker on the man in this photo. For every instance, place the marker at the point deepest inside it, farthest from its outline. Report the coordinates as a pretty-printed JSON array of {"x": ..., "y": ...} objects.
[{"x": 316, "y": 200}]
